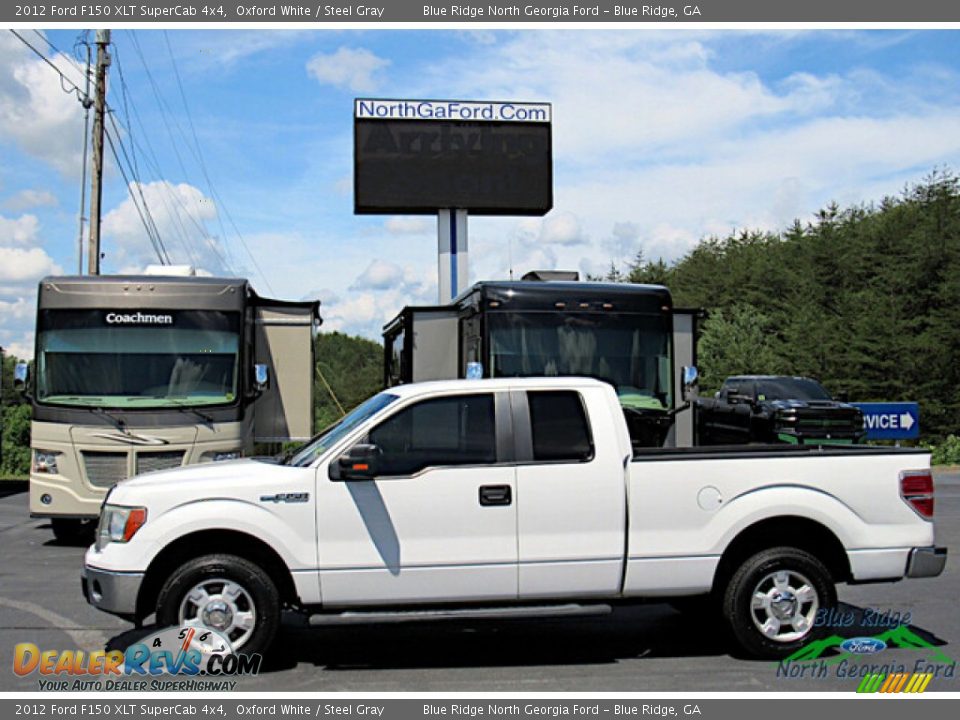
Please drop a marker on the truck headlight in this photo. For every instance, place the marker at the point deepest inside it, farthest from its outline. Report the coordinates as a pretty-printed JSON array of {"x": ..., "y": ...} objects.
[
  {"x": 119, "y": 524},
  {"x": 45, "y": 461}
]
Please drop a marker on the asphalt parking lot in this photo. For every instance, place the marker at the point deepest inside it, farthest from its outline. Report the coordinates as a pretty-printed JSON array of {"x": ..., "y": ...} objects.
[{"x": 641, "y": 648}]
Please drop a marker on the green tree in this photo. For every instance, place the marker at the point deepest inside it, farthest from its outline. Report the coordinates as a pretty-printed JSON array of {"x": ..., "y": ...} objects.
[
  {"x": 15, "y": 441},
  {"x": 353, "y": 369},
  {"x": 734, "y": 342}
]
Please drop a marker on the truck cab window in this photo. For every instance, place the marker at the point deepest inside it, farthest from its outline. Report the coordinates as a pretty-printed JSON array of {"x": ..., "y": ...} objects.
[
  {"x": 559, "y": 427},
  {"x": 456, "y": 430}
]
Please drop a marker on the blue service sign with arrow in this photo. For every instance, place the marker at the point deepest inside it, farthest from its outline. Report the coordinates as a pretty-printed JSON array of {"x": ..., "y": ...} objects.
[{"x": 891, "y": 421}]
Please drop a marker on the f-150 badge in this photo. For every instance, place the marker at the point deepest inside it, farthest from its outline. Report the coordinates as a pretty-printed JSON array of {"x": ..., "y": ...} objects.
[{"x": 286, "y": 498}]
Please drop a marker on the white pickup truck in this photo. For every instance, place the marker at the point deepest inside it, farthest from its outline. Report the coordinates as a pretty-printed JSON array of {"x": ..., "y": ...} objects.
[{"x": 511, "y": 497}]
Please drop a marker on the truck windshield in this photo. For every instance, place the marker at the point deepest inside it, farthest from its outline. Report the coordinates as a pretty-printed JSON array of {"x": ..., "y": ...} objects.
[
  {"x": 329, "y": 437},
  {"x": 137, "y": 359},
  {"x": 630, "y": 351},
  {"x": 791, "y": 388}
]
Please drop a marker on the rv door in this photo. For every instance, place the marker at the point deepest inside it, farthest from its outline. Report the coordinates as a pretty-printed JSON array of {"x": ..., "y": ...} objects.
[{"x": 284, "y": 333}]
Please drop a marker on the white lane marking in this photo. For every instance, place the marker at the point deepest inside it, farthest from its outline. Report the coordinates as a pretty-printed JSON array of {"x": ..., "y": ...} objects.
[{"x": 84, "y": 639}]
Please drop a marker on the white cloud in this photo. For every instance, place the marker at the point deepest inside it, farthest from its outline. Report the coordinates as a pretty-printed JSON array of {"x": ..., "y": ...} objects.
[
  {"x": 35, "y": 112},
  {"x": 20, "y": 231},
  {"x": 379, "y": 275},
  {"x": 21, "y": 349},
  {"x": 26, "y": 199},
  {"x": 22, "y": 265},
  {"x": 409, "y": 225},
  {"x": 180, "y": 212},
  {"x": 23, "y": 261},
  {"x": 353, "y": 69}
]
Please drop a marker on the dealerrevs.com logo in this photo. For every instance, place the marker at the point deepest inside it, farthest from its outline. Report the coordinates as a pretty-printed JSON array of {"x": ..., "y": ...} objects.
[{"x": 182, "y": 659}]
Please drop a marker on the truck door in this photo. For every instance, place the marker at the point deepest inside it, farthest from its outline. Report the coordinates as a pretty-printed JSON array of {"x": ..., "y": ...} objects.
[
  {"x": 571, "y": 496},
  {"x": 439, "y": 523}
]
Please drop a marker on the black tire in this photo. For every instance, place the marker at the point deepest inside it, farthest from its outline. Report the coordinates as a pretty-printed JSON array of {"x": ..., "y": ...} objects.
[
  {"x": 776, "y": 573},
  {"x": 73, "y": 531},
  {"x": 261, "y": 596}
]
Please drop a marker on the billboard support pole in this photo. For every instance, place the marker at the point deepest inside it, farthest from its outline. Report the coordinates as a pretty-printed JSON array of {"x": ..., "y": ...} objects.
[{"x": 453, "y": 270}]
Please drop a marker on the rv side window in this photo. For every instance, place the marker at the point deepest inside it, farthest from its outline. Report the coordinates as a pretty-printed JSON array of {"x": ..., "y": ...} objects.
[
  {"x": 559, "y": 427},
  {"x": 456, "y": 430}
]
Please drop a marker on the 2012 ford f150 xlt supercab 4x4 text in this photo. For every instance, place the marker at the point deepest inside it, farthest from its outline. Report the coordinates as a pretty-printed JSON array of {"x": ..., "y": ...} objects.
[{"x": 505, "y": 497}]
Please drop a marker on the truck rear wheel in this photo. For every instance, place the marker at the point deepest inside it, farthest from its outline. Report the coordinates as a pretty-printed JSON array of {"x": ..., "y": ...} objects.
[
  {"x": 226, "y": 593},
  {"x": 772, "y": 601}
]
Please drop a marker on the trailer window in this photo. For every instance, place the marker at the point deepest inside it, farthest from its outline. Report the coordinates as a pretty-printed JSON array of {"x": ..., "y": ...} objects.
[
  {"x": 559, "y": 427},
  {"x": 446, "y": 431}
]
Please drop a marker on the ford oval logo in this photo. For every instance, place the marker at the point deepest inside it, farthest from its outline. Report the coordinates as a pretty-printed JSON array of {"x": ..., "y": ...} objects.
[{"x": 863, "y": 645}]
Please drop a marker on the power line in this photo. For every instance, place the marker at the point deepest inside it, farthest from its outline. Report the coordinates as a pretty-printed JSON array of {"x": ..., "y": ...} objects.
[
  {"x": 149, "y": 154},
  {"x": 81, "y": 96},
  {"x": 164, "y": 110},
  {"x": 213, "y": 191},
  {"x": 58, "y": 51},
  {"x": 157, "y": 243},
  {"x": 193, "y": 130},
  {"x": 135, "y": 168},
  {"x": 139, "y": 183}
]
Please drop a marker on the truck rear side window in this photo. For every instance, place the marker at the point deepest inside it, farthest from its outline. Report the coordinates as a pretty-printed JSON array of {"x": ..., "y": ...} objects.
[
  {"x": 559, "y": 427},
  {"x": 446, "y": 431}
]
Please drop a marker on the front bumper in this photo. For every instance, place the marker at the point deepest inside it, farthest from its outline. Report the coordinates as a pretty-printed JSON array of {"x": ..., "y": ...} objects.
[
  {"x": 110, "y": 591},
  {"x": 926, "y": 562}
]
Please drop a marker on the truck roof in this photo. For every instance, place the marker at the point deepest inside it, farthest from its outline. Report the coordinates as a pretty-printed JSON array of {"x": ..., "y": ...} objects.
[{"x": 533, "y": 383}]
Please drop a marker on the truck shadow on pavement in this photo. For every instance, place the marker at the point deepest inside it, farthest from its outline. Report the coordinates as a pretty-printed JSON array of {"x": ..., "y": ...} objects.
[{"x": 630, "y": 632}]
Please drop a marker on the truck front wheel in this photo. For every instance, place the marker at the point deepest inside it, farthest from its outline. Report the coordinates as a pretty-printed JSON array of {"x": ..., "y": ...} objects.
[
  {"x": 772, "y": 601},
  {"x": 225, "y": 593}
]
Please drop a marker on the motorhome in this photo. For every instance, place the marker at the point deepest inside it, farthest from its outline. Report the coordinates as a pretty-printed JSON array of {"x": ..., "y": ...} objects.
[{"x": 134, "y": 374}]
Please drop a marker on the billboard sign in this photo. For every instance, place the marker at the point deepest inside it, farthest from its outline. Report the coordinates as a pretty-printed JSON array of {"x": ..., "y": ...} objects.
[{"x": 420, "y": 156}]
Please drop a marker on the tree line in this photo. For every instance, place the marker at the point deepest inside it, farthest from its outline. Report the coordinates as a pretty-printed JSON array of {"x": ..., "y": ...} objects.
[{"x": 865, "y": 298}]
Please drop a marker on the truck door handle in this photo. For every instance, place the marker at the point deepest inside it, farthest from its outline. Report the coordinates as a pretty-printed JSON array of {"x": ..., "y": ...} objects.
[{"x": 495, "y": 495}]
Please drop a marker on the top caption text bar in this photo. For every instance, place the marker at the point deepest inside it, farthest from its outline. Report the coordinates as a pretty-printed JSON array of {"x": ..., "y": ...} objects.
[{"x": 541, "y": 11}]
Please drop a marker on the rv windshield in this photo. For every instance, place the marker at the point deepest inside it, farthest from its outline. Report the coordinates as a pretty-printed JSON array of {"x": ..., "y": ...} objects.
[
  {"x": 630, "y": 351},
  {"x": 137, "y": 359}
]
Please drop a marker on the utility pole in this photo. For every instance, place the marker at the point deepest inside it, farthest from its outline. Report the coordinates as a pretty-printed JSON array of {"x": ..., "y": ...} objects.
[
  {"x": 96, "y": 189},
  {"x": 87, "y": 104}
]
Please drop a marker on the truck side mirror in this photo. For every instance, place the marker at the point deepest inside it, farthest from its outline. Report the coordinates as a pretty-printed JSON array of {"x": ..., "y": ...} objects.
[
  {"x": 261, "y": 377},
  {"x": 361, "y": 462},
  {"x": 690, "y": 378},
  {"x": 21, "y": 376}
]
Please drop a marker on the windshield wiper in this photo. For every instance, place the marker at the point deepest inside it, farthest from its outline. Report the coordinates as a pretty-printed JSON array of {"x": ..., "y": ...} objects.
[
  {"x": 184, "y": 408},
  {"x": 117, "y": 422}
]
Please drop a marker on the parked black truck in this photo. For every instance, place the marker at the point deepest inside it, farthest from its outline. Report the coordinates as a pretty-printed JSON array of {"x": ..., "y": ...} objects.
[{"x": 776, "y": 409}]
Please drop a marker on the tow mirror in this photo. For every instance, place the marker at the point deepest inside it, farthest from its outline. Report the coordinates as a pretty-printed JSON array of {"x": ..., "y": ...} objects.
[
  {"x": 21, "y": 376},
  {"x": 361, "y": 462},
  {"x": 690, "y": 378},
  {"x": 261, "y": 377}
]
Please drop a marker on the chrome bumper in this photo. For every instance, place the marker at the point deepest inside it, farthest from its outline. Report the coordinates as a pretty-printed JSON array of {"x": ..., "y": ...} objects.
[
  {"x": 926, "y": 562},
  {"x": 112, "y": 592}
]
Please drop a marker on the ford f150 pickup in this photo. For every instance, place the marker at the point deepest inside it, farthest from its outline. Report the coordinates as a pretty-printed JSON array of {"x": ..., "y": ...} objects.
[
  {"x": 510, "y": 497},
  {"x": 774, "y": 408}
]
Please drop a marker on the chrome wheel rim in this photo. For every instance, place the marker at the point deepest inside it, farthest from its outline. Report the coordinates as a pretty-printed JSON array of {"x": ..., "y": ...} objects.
[
  {"x": 784, "y": 606},
  {"x": 222, "y": 605}
]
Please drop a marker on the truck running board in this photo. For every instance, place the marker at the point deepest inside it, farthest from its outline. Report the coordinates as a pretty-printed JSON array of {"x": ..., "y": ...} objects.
[{"x": 484, "y": 613}]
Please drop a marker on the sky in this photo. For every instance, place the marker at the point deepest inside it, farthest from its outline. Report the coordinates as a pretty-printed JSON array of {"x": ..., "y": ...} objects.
[{"x": 242, "y": 143}]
